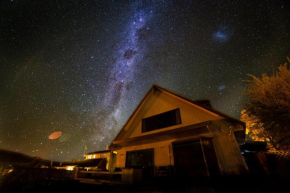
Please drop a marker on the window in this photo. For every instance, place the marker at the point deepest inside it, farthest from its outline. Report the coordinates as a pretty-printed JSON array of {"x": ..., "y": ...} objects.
[
  {"x": 140, "y": 158},
  {"x": 162, "y": 120}
]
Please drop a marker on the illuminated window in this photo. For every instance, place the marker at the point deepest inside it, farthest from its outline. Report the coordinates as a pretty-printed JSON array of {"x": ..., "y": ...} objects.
[
  {"x": 90, "y": 157},
  {"x": 167, "y": 119}
]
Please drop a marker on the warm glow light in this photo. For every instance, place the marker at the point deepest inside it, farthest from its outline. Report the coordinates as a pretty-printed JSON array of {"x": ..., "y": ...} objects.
[
  {"x": 7, "y": 171},
  {"x": 114, "y": 152},
  {"x": 70, "y": 168}
]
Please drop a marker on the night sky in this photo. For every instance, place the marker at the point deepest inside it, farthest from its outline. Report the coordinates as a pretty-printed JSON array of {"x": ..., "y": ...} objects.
[{"x": 81, "y": 67}]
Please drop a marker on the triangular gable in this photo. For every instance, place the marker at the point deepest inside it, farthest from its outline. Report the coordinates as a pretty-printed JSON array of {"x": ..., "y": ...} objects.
[{"x": 155, "y": 98}]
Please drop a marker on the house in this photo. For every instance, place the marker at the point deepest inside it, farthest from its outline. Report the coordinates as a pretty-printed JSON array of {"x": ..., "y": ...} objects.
[
  {"x": 170, "y": 135},
  {"x": 106, "y": 160}
]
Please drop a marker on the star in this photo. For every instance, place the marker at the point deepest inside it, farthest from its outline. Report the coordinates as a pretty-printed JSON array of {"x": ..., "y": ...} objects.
[{"x": 82, "y": 69}]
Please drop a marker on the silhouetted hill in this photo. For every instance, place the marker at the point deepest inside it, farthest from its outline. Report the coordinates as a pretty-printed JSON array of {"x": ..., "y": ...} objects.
[
  {"x": 12, "y": 157},
  {"x": 20, "y": 159}
]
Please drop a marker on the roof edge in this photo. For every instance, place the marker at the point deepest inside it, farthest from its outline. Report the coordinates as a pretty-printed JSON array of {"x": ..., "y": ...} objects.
[
  {"x": 195, "y": 102},
  {"x": 143, "y": 99},
  {"x": 155, "y": 86}
]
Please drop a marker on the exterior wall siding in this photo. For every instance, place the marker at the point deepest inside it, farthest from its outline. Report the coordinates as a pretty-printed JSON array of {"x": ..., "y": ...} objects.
[
  {"x": 227, "y": 150},
  {"x": 226, "y": 147},
  {"x": 162, "y": 102},
  {"x": 96, "y": 155},
  {"x": 162, "y": 155}
]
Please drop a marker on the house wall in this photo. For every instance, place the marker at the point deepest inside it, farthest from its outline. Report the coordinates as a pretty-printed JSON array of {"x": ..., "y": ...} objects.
[
  {"x": 162, "y": 153},
  {"x": 96, "y": 155},
  {"x": 227, "y": 149},
  {"x": 160, "y": 102}
]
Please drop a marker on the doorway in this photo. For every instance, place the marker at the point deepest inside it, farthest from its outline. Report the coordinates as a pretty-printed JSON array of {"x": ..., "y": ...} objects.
[{"x": 195, "y": 158}]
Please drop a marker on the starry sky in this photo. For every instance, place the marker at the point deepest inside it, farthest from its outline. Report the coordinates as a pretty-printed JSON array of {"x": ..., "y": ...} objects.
[{"x": 81, "y": 66}]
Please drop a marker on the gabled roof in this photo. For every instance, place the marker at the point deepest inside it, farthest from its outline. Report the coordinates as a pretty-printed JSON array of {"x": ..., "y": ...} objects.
[
  {"x": 205, "y": 104},
  {"x": 201, "y": 103}
]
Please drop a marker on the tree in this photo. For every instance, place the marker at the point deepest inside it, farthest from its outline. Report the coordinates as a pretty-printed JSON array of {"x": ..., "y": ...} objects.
[
  {"x": 254, "y": 128},
  {"x": 269, "y": 106}
]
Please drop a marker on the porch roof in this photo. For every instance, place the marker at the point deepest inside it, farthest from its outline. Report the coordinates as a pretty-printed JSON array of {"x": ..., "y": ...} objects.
[{"x": 183, "y": 132}]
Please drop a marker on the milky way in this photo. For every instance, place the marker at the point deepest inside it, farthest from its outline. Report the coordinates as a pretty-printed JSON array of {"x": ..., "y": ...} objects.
[
  {"x": 122, "y": 77},
  {"x": 81, "y": 67}
]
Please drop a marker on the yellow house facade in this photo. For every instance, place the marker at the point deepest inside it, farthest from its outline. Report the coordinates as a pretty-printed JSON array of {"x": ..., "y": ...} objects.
[{"x": 169, "y": 134}]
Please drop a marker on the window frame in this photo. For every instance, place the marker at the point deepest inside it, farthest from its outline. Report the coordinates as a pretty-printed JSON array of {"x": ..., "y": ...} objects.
[
  {"x": 177, "y": 120},
  {"x": 128, "y": 161}
]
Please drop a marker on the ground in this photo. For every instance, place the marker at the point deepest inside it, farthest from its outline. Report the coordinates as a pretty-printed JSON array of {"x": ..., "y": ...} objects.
[{"x": 250, "y": 183}]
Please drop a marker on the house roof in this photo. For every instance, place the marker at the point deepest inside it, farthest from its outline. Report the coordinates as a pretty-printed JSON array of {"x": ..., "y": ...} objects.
[
  {"x": 95, "y": 152},
  {"x": 186, "y": 131},
  {"x": 84, "y": 163},
  {"x": 201, "y": 103},
  {"x": 205, "y": 104}
]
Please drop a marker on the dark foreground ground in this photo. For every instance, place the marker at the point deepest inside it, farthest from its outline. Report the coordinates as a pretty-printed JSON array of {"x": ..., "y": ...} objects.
[{"x": 245, "y": 184}]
